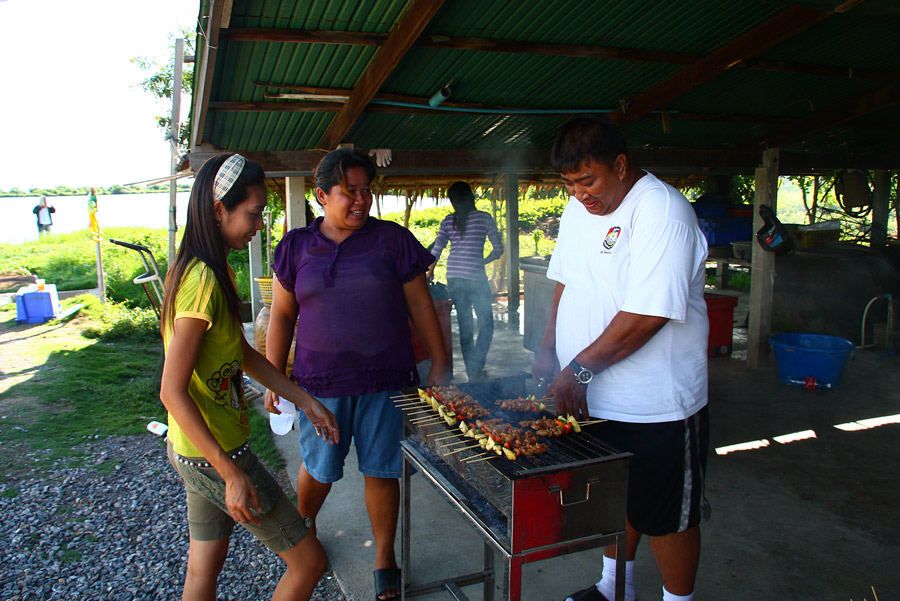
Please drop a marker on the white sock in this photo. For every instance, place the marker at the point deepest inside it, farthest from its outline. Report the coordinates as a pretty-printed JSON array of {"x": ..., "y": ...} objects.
[
  {"x": 667, "y": 596},
  {"x": 607, "y": 584}
]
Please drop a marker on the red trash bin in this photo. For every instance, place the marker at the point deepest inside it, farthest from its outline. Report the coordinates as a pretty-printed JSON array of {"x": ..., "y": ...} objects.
[{"x": 720, "y": 308}]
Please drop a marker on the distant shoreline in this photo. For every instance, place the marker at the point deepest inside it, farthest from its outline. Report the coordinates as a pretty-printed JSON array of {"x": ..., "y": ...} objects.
[{"x": 99, "y": 192}]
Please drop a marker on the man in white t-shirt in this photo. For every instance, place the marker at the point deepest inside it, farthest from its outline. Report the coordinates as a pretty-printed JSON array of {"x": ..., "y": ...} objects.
[
  {"x": 629, "y": 328},
  {"x": 42, "y": 212}
]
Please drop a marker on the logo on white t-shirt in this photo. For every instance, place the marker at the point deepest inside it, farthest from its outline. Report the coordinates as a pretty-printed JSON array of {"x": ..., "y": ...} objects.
[{"x": 611, "y": 236}]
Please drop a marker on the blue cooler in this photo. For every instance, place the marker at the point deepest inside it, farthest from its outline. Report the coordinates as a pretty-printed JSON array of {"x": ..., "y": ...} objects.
[{"x": 36, "y": 306}]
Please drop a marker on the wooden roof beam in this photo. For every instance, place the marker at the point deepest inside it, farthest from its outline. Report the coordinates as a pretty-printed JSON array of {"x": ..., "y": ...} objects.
[
  {"x": 354, "y": 38},
  {"x": 408, "y": 29},
  {"x": 832, "y": 116},
  {"x": 756, "y": 41},
  {"x": 204, "y": 86},
  {"x": 529, "y": 162}
]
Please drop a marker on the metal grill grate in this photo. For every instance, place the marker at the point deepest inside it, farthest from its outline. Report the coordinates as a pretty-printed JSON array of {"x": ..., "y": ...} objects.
[{"x": 563, "y": 451}]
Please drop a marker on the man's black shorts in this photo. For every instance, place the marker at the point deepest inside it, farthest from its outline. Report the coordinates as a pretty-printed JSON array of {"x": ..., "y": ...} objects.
[{"x": 665, "y": 480}]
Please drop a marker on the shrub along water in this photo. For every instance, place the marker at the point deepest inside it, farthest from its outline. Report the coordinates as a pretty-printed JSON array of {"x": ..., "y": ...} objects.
[{"x": 70, "y": 262}]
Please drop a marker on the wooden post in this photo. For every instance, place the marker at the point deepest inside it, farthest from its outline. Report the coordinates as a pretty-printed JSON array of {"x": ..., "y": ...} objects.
[
  {"x": 881, "y": 208},
  {"x": 512, "y": 248},
  {"x": 762, "y": 267},
  {"x": 295, "y": 202},
  {"x": 174, "y": 131},
  {"x": 101, "y": 280}
]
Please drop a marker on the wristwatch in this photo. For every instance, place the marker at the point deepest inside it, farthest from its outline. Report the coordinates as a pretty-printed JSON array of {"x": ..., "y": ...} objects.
[{"x": 582, "y": 374}]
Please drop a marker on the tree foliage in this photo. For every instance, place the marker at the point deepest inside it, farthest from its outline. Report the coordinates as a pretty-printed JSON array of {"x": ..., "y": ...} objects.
[
  {"x": 84, "y": 190},
  {"x": 160, "y": 79},
  {"x": 815, "y": 191}
]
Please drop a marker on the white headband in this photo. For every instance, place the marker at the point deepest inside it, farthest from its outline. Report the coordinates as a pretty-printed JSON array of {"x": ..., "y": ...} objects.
[{"x": 227, "y": 175}]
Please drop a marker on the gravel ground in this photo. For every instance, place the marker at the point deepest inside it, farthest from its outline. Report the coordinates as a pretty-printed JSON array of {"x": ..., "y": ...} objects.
[{"x": 115, "y": 529}]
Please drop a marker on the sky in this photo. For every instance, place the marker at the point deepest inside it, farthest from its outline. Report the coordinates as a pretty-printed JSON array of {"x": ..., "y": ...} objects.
[{"x": 70, "y": 109}]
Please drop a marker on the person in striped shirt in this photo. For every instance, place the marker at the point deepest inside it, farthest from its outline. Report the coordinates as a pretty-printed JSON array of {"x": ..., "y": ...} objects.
[{"x": 466, "y": 230}]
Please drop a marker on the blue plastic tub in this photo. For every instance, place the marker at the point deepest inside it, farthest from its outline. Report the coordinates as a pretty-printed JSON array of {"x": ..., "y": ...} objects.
[{"x": 811, "y": 360}]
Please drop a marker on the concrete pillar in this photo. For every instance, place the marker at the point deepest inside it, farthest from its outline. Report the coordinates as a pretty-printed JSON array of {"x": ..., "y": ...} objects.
[
  {"x": 881, "y": 208},
  {"x": 512, "y": 247},
  {"x": 256, "y": 271},
  {"x": 295, "y": 202},
  {"x": 762, "y": 267}
]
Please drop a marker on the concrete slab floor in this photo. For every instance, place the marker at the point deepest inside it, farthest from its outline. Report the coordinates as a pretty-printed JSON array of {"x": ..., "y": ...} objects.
[{"x": 812, "y": 519}]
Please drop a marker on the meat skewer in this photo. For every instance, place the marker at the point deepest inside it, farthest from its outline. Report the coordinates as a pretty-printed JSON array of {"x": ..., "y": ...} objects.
[{"x": 521, "y": 404}]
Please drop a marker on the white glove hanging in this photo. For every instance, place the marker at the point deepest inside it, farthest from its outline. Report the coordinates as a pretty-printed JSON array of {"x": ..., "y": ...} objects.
[{"x": 382, "y": 156}]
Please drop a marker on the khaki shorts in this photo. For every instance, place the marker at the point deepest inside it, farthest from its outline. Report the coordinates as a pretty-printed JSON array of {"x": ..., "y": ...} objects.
[{"x": 281, "y": 525}]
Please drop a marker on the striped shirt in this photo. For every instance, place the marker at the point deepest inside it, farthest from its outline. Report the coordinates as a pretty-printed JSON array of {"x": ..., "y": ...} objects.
[{"x": 467, "y": 258}]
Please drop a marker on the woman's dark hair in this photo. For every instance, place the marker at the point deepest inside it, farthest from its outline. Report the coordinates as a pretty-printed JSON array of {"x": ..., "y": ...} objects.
[
  {"x": 463, "y": 200},
  {"x": 332, "y": 169},
  {"x": 585, "y": 139},
  {"x": 202, "y": 239}
]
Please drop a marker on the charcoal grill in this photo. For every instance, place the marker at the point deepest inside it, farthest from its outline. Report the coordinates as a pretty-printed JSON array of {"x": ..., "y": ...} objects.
[{"x": 568, "y": 499}]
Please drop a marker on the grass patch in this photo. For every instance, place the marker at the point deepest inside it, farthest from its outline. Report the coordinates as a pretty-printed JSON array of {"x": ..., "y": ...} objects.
[
  {"x": 70, "y": 556},
  {"x": 8, "y": 314},
  {"x": 78, "y": 387},
  {"x": 10, "y": 493},
  {"x": 92, "y": 376},
  {"x": 70, "y": 260},
  {"x": 105, "y": 468},
  {"x": 119, "y": 321},
  {"x": 739, "y": 281},
  {"x": 262, "y": 443}
]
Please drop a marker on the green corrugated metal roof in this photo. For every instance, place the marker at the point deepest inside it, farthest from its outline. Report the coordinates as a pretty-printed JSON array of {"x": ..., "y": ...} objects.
[
  {"x": 376, "y": 16},
  {"x": 863, "y": 38}
]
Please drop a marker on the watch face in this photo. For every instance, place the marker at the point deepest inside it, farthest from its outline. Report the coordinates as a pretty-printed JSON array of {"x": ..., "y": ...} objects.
[{"x": 584, "y": 376}]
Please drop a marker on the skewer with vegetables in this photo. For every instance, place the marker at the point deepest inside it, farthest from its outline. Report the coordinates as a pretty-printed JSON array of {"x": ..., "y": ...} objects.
[{"x": 529, "y": 403}]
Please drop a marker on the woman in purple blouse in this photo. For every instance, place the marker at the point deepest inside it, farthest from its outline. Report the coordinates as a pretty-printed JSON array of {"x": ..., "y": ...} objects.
[{"x": 353, "y": 280}]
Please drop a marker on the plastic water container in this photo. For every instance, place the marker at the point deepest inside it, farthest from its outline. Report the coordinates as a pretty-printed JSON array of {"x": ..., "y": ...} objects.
[{"x": 811, "y": 360}]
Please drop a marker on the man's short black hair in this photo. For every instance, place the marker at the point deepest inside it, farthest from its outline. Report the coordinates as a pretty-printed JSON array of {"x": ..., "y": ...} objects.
[{"x": 585, "y": 139}]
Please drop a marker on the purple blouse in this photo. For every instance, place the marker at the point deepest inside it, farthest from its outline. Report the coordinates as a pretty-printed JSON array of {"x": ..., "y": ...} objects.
[{"x": 353, "y": 334}]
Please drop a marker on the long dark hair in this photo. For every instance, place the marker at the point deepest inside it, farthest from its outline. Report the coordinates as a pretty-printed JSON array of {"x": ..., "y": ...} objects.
[
  {"x": 463, "y": 200},
  {"x": 202, "y": 239}
]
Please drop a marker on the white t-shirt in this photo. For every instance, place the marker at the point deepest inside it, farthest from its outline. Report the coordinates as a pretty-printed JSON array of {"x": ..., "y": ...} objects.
[
  {"x": 44, "y": 216},
  {"x": 647, "y": 257}
]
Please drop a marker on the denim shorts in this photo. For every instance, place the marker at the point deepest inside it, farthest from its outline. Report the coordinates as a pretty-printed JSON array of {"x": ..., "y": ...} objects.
[
  {"x": 281, "y": 525},
  {"x": 375, "y": 425}
]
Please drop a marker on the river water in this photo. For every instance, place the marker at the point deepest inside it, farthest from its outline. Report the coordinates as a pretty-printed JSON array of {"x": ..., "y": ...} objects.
[
  {"x": 151, "y": 210},
  {"x": 19, "y": 224}
]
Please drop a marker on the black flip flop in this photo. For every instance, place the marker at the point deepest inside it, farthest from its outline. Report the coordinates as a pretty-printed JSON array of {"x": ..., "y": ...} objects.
[{"x": 387, "y": 579}]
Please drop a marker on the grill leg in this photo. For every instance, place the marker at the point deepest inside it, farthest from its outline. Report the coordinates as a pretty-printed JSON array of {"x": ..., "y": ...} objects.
[
  {"x": 404, "y": 528},
  {"x": 489, "y": 573},
  {"x": 513, "y": 584}
]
